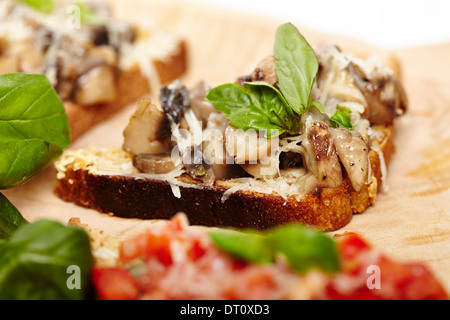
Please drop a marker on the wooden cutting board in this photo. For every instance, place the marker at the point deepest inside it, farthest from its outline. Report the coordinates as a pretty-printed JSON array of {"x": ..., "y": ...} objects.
[{"x": 411, "y": 222}]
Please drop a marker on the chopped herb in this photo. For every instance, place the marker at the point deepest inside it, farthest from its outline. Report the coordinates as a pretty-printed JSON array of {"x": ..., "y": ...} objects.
[{"x": 342, "y": 118}]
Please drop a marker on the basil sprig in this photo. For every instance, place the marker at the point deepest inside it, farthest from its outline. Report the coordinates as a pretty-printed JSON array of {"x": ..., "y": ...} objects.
[
  {"x": 36, "y": 260},
  {"x": 342, "y": 118},
  {"x": 44, "y": 6},
  {"x": 303, "y": 248},
  {"x": 260, "y": 106},
  {"x": 296, "y": 67},
  {"x": 34, "y": 128},
  {"x": 263, "y": 107},
  {"x": 10, "y": 218}
]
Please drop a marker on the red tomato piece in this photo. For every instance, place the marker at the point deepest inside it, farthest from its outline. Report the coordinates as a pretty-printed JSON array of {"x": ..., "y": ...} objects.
[
  {"x": 114, "y": 284},
  {"x": 158, "y": 246},
  {"x": 351, "y": 245}
]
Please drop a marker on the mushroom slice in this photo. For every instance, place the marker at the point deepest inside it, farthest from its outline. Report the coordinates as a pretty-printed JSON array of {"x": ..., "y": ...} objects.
[
  {"x": 386, "y": 98},
  {"x": 202, "y": 108},
  {"x": 249, "y": 146},
  {"x": 328, "y": 170},
  {"x": 264, "y": 71},
  {"x": 154, "y": 164},
  {"x": 334, "y": 80},
  {"x": 96, "y": 86},
  {"x": 142, "y": 135},
  {"x": 265, "y": 168},
  {"x": 354, "y": 155},
  {"x": 175, "y": 100}
]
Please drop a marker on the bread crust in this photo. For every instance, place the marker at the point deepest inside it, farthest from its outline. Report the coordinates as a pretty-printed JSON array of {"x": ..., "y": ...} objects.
[
  {"x": 131, "y": 85},
  {"x": 327, "y": 209}
]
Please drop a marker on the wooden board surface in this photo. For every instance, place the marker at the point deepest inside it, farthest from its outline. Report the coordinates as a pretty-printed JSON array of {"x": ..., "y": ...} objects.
[{"x": 411, "y": 222}]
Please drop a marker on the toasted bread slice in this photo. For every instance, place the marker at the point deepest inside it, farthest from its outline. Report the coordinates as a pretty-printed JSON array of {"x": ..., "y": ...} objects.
[
  {"x": 102, "y": 180},
  {"x": 97, "y": 64},
  {"x": 199, "y": 153}
]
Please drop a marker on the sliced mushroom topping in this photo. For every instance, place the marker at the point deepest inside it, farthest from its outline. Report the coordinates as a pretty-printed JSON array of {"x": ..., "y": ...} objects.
[
  {"x": 202, "y": 108},
  {"x": 334, "y": 80},
  {"x": 122, "y": 34},
  {"x": 290, "y": 160},
  {"x": 265, "y": 168},
  {"x": 249, "y": 146},
  {"x": 100, "y": 35},
  {"x": 175, "y": 100},
  {"x": 354, "y": 155},
  {"x": 196, "y": 166},
  {"x": 228, "y": 171},
  {"x": 97, "y": 56},
  {"x": 142, "y": 133},
  {"x": 154, "y": 164},
  {"x": 265, "y": 71},
  {"x": 217, "y": 157},
  {"x": 328, "y": 169},
  {"x": 385, "y": 95},
  {"x": 96, "y": 86},
  {"x": 29, "y": 58}
]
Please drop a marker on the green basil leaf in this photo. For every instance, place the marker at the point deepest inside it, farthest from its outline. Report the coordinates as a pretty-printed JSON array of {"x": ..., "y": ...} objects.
[
  {"x": 88, "y": 16},
  {"x": 342, "y": 118},
  {"x": 318, "y": 106},
  {"x": 10, "y": 218},
  {"x": 303, "y": 248},
  {"x": 278, "y": 108},
  {"x": 36, "y": 260},
  {"x": 34, "y": 128},
  {"x": 306, "y": 249},
  {"x": 296, "y": 67},
  {"x": 244, "y": 246},
  {"x": 44, "y": 6},
  {"x": 246, "y": 108}
]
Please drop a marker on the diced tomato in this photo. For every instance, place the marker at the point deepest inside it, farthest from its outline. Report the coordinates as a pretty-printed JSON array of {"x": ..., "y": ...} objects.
[
  {"x": 147, "y": 246},
  {"x": 351, "y": 245},
  {"x": 196, "y": 250},
  {"x": 178, "y": 223},
  {"x": 114, "y": 284},
  {"x": 410, "y": 281},
  {"x": 159, "y": 248},
  {"x": 398, "y": 281},
  {"x": 160, "y": 274}
]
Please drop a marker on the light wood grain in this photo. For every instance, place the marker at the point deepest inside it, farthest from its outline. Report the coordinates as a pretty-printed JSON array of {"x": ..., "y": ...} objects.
[{"x": 410, "y": 223}]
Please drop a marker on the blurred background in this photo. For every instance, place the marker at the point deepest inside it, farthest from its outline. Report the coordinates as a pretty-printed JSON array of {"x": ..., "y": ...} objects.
[{"x": 388, "y": 24}]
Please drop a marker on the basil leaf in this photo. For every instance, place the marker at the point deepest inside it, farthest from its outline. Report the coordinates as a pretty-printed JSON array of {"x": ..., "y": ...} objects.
[
  {"x": 306, "y": 249},
  {"x": 88, "y": 16},
  {"x": 248, "y": 108},
  {"x": 342, "y": 118},
  {"x": 44, "y": 6},
  {"x": 34, "y": 128},
  {"x": 244, "y": 246},
  {"x": 296, "y": 67},
  {"x": 10, "y": 218},
  {"x": 36, "y": 259},
  {"x": 280, "y": 112},
  {"x": 318, "y": 106},
  {"x": 303, "y": 248}
]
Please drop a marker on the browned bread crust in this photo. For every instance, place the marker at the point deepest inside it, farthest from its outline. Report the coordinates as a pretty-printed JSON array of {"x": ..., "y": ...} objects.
[
  {"x": 123, "y": 196},
  {"x": 131, "y": 85}
]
